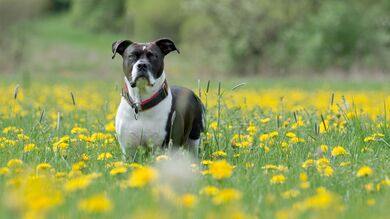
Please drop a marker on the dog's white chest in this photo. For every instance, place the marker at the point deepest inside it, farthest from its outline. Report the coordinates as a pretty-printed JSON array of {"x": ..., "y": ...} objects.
[{"x": 147, "y": 130}]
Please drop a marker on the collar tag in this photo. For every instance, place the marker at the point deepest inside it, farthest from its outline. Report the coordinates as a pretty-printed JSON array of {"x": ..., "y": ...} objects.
[{"x": 136, "y": 108}]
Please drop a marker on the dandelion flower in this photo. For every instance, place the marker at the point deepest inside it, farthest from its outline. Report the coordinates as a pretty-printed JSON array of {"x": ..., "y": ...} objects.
[
  {"x": 278, "y": 179},
  {"x": 14, "y": 163},
  {"x": 142, "y": 176},
  {"x": 80, "y": 182},
  {"x": 290, "y": 194},
  {"x": 266, "y": 120},
  {"x": 214, "y": 125},
  {"x": 324, "y": 148},
  {"x": 188, "y": 200},
  {"x": 325, "y": 170},
  {"x": 364, "y": 171},
  {"x": 79, "y": 166},
  {"x": 338, "y": 151},
  {"x": 308, "y": 163},
  {"x": 28, "y": 148},
  {"x": 251, "y": 129},
  {"x": 291, "y": 135},
  {"x": 110, "y": 127},
  {"x": 104, "y": 156},
  {"x": 118, "y": 170},
  {"x": 226, "y": 196},
  {"x": 220, "y": 169},
  {"x": 344, "y": 164},
  {"x": 219, "y": 153},
  {"x": 43, "y": 166},
  {"x": 4, "y": 170},
  {"x": 96, "y": 204},
  {"x": 209, "y": 190}
]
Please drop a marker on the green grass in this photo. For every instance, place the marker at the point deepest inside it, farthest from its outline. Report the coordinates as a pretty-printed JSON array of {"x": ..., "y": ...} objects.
[{"x": 346, "y": 189}]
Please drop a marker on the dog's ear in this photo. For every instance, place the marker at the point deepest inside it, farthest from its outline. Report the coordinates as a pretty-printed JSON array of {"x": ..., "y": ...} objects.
[
  {"x": 166, "y": 46},
  {"x": 120, "y": 46}
]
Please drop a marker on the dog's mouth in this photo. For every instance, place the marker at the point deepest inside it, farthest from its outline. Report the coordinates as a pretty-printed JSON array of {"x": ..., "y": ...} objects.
[{"x": 141, "y": 81}]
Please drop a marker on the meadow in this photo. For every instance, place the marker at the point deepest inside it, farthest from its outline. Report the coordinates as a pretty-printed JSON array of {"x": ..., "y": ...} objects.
[{"x": 270, "y": 152}]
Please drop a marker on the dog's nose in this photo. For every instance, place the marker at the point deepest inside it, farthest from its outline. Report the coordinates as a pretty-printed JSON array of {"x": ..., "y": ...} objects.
[{"x": 141, "y": 66}]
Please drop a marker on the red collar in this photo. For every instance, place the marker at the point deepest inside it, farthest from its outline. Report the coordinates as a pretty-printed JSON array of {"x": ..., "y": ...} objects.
[{"x": 148, "y": 103}]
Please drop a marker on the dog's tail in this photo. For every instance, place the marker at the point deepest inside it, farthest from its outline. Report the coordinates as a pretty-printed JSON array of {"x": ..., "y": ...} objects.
[
  {"x": 199, "y": 122},
  {"x": 203, "y": 114}
]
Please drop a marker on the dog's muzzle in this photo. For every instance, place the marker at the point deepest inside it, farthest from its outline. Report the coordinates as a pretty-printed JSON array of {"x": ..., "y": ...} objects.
[{"x": 143, "y": 75}]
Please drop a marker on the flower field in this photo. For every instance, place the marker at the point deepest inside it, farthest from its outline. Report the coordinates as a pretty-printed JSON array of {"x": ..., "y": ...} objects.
[{"x": 270, "y": 153}]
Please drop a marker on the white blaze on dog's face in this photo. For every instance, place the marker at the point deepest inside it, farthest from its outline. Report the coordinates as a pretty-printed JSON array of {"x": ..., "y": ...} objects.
[{"x": 143, "y": 63}]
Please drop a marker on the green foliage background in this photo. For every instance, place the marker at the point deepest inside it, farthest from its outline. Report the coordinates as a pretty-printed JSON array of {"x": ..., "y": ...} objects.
[{"x": 247, "y": 37}]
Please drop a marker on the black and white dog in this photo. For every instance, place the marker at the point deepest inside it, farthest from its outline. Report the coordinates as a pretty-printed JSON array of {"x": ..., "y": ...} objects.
[{"x": 151, "y": 113}]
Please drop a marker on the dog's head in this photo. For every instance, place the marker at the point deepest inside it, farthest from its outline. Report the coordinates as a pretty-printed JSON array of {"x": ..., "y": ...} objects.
[{"x": 143, "y": 60}]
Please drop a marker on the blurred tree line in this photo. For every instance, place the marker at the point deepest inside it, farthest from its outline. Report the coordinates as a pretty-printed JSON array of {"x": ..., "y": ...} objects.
[{"x": 251, "y": 36}]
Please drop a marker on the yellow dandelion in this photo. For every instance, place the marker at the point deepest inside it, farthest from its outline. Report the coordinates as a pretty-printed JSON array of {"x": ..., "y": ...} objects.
[
  {"x": 322, "y": 162},
  {"x": 251, "y": 129},
  {"x": 325, "y": 170},
  {"x": 79, "y": 166},
  {"x": 80, "y": 182},
  {"x": 264, "y": 137},
  {"x": 308, "y": 163},
  {"x": 78, "y": 130},
  {"x": 324, "y": 148},
  {"x": 142, "y": 176},
  {"x": 364, "y": 171},
  {"x": 371, "y": 202},
  {"x": 266, "y": 120},
  {"x": 264, "y": 147},
  {"x": 60, "y": 174},
  {"x": 344, "y": 164},
  {"x": 206, "y": 162},
  {"x": 214, "y": 125},
  {"x": 14, "y": 163},
  {"x": 296, "y": 140},
  {"x": 226, "y": 196},
  {"x": 291, "y": 135},
  {"x": 290, "y": 194},
  {"x": 188, "y": 200},
  {"x": 96, "y": 204},
  {"x": 28, "y": 148},
  {"x": 241, "y": 141},
  {"x": 219, "y": 153},
  {"x": 23, "y": 137},
  {"x": 4, "y": 170},
  {"x": 43, "y": 166},
  {"x": 274, "y": 134},
  {"x": 118, "y": 170},
  {"x": 110, "y": 127},
  {"x": 305, "y": 184},
  {"x": 135, "y": 165},
  {"x": 220, "y": 169},
  {"x": 209, "y": 190},
  {"x": 284, "y": 145},
  {"x": 338, "y": 151},
  {"x": 278, "y": 179},
  {"x": 104, "y": 156},
  {"x": 84, "y": 157}
]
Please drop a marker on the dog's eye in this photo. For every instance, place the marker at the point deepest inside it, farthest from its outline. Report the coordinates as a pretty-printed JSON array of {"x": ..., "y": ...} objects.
[
  {"x": 133, "y": 57},
  {"x": 151, "y": 55}
]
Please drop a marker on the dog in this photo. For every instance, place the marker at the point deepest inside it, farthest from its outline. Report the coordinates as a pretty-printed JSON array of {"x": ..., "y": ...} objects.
[{"x": 152, "y": 113}]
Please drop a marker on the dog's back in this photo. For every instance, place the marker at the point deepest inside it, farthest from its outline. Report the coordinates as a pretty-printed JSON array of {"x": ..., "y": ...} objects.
[{"x": 189, "y": 117}]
